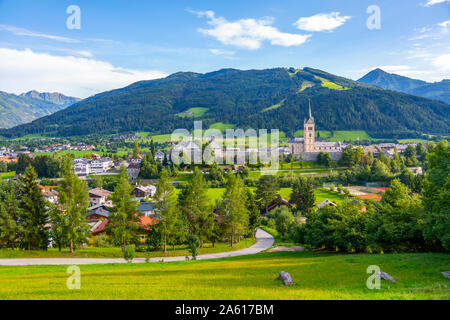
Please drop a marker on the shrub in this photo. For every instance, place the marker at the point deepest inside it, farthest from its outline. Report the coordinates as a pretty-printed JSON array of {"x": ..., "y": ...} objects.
[
  {"x": 102, "y": 241},
  {"x": 129, "y": 253},
  {"x": 193, "y": 244}
]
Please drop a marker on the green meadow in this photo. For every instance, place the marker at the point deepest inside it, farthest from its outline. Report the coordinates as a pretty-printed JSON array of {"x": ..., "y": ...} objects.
[
  {"x": 7, "y": 175},
  {"x": 116, "y": 252},
  {"x": 316, "y": 276},
  {"x": 193, "y": 113}
]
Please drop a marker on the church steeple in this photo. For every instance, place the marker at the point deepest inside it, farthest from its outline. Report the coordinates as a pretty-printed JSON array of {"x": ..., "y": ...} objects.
[{"x": 310, "y": 116}]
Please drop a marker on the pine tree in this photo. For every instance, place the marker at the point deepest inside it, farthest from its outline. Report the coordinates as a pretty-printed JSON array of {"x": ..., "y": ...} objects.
[
  {"x": 254, "y": 214},
  {"x": 266, "y": 191},
  {"x": 10, "y": 212},
  {"x": 69, "y": 215},
  {"x": 35, "y": 216},
  {"x": 136, "y": 150},
  {"x": 195, "y": 206},
  {"x": 123, "y": 220},
  {"x": 233, "y": 210},
  {"x": 303, "y": 196},
  {"x": 166, "y": 205}
]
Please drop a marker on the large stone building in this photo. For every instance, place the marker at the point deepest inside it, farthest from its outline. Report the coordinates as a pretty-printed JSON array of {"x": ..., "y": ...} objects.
[{"x": 308, "y": 147}]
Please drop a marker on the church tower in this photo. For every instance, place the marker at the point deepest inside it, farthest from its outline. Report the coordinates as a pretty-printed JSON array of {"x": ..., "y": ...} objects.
[{"x": 309, "y": 132}]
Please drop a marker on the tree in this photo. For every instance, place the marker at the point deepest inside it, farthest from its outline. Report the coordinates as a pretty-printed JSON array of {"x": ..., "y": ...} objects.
[
  {"x": 194, "y": 204},
  {"x": 35, "y": 217},
  {"x": 233, "y": 210},
  {"x": 70, "y": 212},
  {"x": 266, "y": 191},
  {"x": 136, "y": 150},
  {"x": 10, "y": 213},
  {"x": 254, "y": 214},
  {"x": 123, "y": 219},
  {"x": 166, "y": 205},
  {"x": 97, "y": 181},
  {"x": 436, "y": 195},
  {"x": 283, "y": 220},
  {"x": 193, "y": 244},
  {"x": 303, "y": 196}
]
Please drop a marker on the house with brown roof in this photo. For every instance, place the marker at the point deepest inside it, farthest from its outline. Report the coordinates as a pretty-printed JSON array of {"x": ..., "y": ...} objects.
[{"x": 98, "y": 196}]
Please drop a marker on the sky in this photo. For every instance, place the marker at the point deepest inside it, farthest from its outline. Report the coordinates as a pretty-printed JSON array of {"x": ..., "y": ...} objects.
[{"x": 47, "y": 46}]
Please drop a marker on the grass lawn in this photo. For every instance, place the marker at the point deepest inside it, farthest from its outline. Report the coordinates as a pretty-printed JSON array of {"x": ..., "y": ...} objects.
[
  {"x": 275, "y": 106},
  {"x": 322, "y": 194},
  {"x": 317, "y": 276},
  {"x": 222, "y": 126},
  {"x": 180, "y": 250},
  {"x": 193, "y": 113},
  {"x": 7, "y": 175}
]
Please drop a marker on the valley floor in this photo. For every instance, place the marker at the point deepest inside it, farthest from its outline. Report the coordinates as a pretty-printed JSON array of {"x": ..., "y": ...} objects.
[{"x": 317, "y": 276}]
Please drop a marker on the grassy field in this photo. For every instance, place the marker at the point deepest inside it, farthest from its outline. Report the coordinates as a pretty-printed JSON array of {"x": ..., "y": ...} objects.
[
  {"x": 221, "y": 126},
  {"x": 317, "y": 276},
  {"x": 180, "y": 250},
  {"x": 329, "y": 84},
  {"x": 193, "y": 113},
  {"x": 7, "y": 175},
  {"x": 275, "y": 106}
]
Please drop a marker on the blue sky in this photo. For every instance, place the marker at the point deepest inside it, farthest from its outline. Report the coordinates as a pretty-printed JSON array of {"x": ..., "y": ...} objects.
[{"x": 120, "y": 41}]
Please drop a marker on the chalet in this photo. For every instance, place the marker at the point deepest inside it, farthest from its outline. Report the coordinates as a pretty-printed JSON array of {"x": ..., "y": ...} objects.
[
  {"x": 147, "y": 208},
  {"x": 144, "y": 222},
  {"x": 324, "y": 203},
  {"x": 133, "y": 170},
  {"x": 99, "y": 212},
  {"x": 142, "y": 192},
  {"x": 416, "y": 170},
  {"x": 51, "y": 196},
  {"x": 278, "y": 202},
  {"x": 98, "y": 196},
  {"x": 159, "y": 156}
]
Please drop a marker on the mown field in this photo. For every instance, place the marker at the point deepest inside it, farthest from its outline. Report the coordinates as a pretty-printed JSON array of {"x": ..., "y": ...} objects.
[
  {"x": 317, "y": 276},
  {"x": 94, "y": 252}
]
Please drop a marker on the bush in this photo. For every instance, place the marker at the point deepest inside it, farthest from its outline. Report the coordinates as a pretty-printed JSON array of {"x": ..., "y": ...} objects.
[
  {"x": 101, "y": 241},
  {"x": 193, "y": 244},
  {"x": 283, "y": 220},
  {"x": 129, "y": 253}
]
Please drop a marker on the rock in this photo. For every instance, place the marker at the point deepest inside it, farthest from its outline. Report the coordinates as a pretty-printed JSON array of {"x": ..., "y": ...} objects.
[
  {"x": 286, "y": 278},
  {"x": 386, "y": 276},
  {"x": 446, "y": 274}
]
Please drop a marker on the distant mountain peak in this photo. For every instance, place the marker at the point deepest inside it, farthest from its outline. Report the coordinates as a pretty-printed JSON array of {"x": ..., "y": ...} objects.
[
  {"x": 391, "y": 81},
  {"x": 53, "y": 97}
]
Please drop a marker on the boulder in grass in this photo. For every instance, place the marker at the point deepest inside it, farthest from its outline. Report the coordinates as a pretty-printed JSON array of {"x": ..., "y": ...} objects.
[
  {"x": 446, "y": 274},
  {"x": 286, "y": 278},
  {"x": 386, "y": 276}
]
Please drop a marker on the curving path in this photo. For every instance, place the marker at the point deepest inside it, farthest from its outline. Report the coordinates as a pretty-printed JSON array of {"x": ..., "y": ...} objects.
[{"x": 264, "y": 241}]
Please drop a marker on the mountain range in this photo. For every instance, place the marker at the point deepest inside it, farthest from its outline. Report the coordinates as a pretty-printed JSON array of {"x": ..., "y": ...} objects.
[
  {"x": 390, "y": 81},
  {"x": 26, "y": 107},
  {"x": 271, "y": 98}
]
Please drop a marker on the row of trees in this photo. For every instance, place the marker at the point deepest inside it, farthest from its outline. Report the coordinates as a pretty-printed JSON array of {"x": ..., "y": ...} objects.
[
  {"x": 191, "y": 213},
  {"x": 403, "y": 221}
]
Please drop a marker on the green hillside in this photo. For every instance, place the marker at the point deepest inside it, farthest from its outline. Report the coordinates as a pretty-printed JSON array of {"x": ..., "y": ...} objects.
[{"x": 259, "y": 99}]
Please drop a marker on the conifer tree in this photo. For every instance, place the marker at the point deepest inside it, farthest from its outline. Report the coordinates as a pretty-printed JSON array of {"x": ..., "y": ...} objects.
[
  {"x": 123, "y": 220},
  {"x": 10, "y": 213},
  {"x": 69, "y": 215},
  {"x": 35, "y": 217}
]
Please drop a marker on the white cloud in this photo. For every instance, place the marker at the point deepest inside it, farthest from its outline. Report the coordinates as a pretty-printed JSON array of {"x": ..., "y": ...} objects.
[
  {"x": 222, "y": 52},
  {"x": 24, "y": 32},
  {"x": 248, "y": 33},
  {"x": 433, "y": 2},
  {"x": 442, "y": 62},
  {"x": 445, "y": 24},
  {"x": 24, "y": 70},
  {"x": 321, "y": 22}
]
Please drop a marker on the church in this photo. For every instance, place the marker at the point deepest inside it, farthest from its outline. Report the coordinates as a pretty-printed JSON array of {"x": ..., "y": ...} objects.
[{"x": 308, "y": 147}]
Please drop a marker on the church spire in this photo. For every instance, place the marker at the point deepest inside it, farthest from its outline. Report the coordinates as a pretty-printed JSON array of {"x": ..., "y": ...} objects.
[{"x": 310, "y": 116}]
